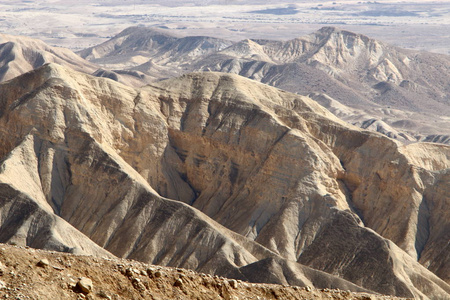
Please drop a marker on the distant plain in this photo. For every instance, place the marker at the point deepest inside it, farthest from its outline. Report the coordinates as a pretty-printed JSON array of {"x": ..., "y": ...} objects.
[{"x": 420, "y": 25}]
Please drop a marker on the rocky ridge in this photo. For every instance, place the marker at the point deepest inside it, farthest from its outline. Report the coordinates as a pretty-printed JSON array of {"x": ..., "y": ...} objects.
[
  {"x": 362, "y": 73},
  {"x": 20, "y": 54},
  {"x": 154, "y": 52}
]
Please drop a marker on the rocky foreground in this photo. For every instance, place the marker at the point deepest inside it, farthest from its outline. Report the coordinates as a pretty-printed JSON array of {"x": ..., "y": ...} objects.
[{"x": 27, "y": 273}]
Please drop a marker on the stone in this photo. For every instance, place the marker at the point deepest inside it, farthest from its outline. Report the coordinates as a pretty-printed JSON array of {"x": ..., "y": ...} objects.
[
  {"x": 158, "y": 274},
  {"x": 71, "y": 285},
  {"x": 43, "y": 263},
  {"x": 233, "y": 283},
  {"x": 137, "y": 283},
  {"x": 85, "y": 285},
  {"x": 178, "y": 282},
  {"x": 103, "y": 294},
  {"x": 129, "y": 272}
]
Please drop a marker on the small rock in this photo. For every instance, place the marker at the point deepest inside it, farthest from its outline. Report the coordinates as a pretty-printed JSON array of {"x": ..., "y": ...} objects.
[
  {"x": 143, "y": 273},
  {"x": 85, "y": 285},
  {"x": 102, "y": 294},
  {"x": 138, "y": 284},
  {"x": 43, "y": 263},
  {"x": 178, "y": 282},
  {"x": 2, "y": 285},
  {"x": 71, "y": 285},
  {"x": 129, "y": 272},
  {"x": 308, "y": 289},
  {"x": 81, "y": 297},
  {"x": 234, "y": 284},
  {"x": 158, "y": 274}
]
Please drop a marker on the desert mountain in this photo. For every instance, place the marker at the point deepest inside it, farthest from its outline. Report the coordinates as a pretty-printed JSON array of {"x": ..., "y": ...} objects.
[
  {"x": 357, "y": 71},
  {"x": 154, "y": 52},
  {"x": 223, "y": 175},
  {"x": 20, "y": 54},
  {"x": 72, "y": 172}
]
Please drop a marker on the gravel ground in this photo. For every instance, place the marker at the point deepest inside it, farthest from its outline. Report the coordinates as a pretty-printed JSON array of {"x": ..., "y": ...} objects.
[{"x": 27, "y": 273}]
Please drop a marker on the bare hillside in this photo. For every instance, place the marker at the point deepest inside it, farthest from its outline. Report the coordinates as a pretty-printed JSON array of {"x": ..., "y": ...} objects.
[
  {"x": 20, "y": 54},
  {"x": 223, "y": 175},
  {"x": 353, "y": 69}
]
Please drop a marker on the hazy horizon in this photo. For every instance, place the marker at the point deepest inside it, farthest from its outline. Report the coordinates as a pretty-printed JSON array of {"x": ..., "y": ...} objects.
[{"x": 420, "y": 25}]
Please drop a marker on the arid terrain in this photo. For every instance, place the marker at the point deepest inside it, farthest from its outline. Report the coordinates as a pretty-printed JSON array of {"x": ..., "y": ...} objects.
[
  {"x": 223, "y": 175},
  {"x": 36, "y": 274},
  {"x": 152, "y": 164},
  {"x": 420, "y": 25},
  {"x": 400, "y": 93}
]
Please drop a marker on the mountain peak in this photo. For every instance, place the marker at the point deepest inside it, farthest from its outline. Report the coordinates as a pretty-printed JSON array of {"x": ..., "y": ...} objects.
[
  {"x": 147, "y": 31},
  {"x": 329, "y": 31},
  {"x": 22, "y": 54}
]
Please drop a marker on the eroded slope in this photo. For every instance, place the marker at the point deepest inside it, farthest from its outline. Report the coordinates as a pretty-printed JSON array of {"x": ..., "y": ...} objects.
[{"x": 275, "y": 167}]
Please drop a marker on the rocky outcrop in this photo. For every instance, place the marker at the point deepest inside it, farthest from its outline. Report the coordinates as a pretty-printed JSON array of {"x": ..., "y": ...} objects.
[{"x": 225, "y": 175}]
